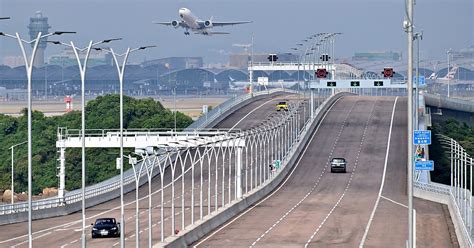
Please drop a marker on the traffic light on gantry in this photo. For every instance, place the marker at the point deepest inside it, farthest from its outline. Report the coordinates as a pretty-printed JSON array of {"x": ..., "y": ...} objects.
[
  {"x": 324, "y": 57},
  {"x": 272, "y": 57},
  {"x": 321, "y": 73},
  {"x": 388, "y": 72}
]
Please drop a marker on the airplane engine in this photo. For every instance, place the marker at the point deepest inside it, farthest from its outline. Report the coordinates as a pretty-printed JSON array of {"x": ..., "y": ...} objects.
[
  {"x": 175, "y": 24},
  {"x": 208, "y": 24}
]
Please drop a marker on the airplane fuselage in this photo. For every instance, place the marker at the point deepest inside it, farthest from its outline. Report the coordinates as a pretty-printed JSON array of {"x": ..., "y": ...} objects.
[{"x": 188, "y": 18}]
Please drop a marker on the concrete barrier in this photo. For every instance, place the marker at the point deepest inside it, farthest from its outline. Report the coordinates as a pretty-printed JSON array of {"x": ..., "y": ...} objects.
[
  {"x": 449, "y": 103},
  {"x": 209, "y": 223}
]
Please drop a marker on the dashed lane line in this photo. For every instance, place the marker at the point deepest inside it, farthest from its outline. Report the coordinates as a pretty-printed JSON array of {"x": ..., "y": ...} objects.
[
  {"x": 314, "y": 185},
  {"x": 350, "y": 179}
]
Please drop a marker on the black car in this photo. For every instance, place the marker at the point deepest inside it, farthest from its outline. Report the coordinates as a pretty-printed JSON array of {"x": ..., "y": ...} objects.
[
  {"x": 338, "y": 164},
  {"x": 106, "y": 227}
]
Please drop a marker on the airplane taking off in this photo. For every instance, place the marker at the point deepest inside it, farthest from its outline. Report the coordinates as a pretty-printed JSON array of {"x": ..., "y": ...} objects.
[{"x": 191, "y": 22}]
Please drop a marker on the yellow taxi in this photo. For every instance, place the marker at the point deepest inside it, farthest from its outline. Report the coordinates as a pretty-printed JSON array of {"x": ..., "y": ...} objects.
[{"x": 282, "y": 106}]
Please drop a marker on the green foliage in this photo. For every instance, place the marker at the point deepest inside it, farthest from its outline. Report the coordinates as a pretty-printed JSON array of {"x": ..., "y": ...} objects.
[
  {"x": 101, "y": 113},
  {"x": 462, "y": 133}
]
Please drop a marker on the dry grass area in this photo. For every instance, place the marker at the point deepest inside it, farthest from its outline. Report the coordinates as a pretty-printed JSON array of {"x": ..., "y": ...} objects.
[{"x": 191, "y": 106}]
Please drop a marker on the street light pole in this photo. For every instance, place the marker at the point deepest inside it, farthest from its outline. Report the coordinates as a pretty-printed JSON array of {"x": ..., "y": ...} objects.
[
  {"x": 408, "y": 25},
  {"x": 29, "y": 72},
  {"x": 13, "y": 186},
  {"x": 121, "y": 73},
  {"x": 82, "y": 72},
  {"x": 418, "y": 36}
]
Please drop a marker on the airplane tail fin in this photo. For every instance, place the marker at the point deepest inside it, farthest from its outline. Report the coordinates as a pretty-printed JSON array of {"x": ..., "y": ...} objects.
[
  {"x": 451, "y": 73},
  {"x": 433, "y": 76}
]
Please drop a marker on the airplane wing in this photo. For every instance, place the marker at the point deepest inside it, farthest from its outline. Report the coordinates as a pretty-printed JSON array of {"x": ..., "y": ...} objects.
[
  {"x": 221, "y": 24},
  {"x": 164, "y": 23},
  {"x": 172, "y": 23}
]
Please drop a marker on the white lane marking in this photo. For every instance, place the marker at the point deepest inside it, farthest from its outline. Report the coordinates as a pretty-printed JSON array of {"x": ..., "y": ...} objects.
[
  {"x": 350, "y": 179},
  {"x": 366, "y": 232},
  {"x": 390, "y": 200},
  {"x": 313, "y": 188},
  {"x": 249, "y": 113},
  {"x": 26, "y": 241},
  {"x": 275, "y": 191}
]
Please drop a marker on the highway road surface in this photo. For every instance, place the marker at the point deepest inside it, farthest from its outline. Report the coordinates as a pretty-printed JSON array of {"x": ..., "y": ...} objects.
[
  {"x": 66, "y": 231},
  {"x": 366, "y": 205}
]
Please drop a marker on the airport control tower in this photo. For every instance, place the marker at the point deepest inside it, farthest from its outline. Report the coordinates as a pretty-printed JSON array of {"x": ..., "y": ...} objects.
[{"x": 39, "y": 23}]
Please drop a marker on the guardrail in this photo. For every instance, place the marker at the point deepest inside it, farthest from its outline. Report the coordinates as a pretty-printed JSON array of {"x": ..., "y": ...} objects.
[
  {"x": 458, "y": 195},
  {"x": 113, "y": 183}
]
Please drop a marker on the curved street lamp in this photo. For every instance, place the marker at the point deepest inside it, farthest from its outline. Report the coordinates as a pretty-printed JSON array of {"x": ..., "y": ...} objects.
[
  {"x": 121, "y": 73},
  {"x": 82, "y": 69},
  {"x": 29, "y": 71}
]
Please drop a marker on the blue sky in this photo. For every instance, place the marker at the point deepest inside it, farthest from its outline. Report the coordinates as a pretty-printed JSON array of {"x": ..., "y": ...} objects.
[{"x": 368, "y": 25}]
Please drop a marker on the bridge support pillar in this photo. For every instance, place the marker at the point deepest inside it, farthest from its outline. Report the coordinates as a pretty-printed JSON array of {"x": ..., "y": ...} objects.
[
  {"x": 62, "y": 173},
  {"x": 238, "y": 173}
]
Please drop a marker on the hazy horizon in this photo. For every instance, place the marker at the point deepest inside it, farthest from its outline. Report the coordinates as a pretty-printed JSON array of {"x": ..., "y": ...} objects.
[{"x": 367, "y": 25}]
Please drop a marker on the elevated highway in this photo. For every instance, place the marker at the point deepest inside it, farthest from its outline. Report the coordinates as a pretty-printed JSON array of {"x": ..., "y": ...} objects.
[
  {"x": 312, "y": 207},
  {"x": 65, "y": 231},
  {"x": 366, "y": 206}
]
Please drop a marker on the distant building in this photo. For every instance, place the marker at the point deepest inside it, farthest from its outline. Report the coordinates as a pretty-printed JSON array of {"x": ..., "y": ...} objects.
[
  {"x": 466, "y": 53},
  {"x": 377, "y": 56},
  {"x": 67, "y": 58},
  {"x": 13, "y": 61},
  {"x": 241, "y": 60},
  {"x": 39, "y": 23},
  {"x": 176, "y": 63}
]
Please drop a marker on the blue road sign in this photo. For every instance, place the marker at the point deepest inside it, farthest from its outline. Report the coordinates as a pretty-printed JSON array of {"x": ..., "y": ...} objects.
[
  {"x": 422, "y": 137},
  {"x": 421, "y": 80},
  {"x": 424, "y": 165}
]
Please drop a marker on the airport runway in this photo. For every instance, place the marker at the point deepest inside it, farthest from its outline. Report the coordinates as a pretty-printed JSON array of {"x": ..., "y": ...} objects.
[
  {"x": 66, "y": 231},
  {"x": 316, "y": 208}
]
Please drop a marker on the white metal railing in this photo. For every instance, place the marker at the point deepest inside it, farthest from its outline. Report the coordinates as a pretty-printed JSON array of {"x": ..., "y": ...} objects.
[
  {"x": 129, "y": 177},
  {"x": 460, "y": 188}
]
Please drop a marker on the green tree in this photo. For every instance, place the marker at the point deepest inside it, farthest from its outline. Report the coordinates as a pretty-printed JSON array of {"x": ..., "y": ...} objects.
[{"x": 101, "y": 113}]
